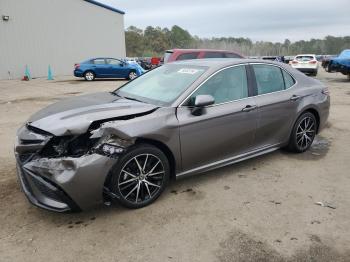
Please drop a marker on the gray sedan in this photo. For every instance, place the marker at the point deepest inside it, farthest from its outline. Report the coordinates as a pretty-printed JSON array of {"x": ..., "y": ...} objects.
[{"x": 179, "y": 119}]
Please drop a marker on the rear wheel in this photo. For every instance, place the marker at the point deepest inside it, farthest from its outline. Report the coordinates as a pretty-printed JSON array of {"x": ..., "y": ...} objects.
[
  {"x": 89, "y": 76},
  {"x": 140, "y": 176},
  {"x": 303, "y": 133}
]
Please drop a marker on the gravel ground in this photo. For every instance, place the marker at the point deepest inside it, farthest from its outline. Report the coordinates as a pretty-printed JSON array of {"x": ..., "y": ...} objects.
[{"x": 262, "y": 209}]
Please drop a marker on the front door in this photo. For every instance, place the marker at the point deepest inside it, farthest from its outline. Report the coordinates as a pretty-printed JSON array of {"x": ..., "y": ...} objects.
[
  {"x": 222, "y": 130},
  {"x": 116, "y": 68}
]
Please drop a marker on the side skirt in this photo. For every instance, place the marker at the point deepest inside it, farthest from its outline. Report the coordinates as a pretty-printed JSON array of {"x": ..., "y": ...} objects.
[{"x": 229, "y": 161}]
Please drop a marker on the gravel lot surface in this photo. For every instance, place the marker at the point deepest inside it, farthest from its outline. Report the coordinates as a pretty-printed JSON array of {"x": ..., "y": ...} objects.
[{"x": 262, "y": 209}]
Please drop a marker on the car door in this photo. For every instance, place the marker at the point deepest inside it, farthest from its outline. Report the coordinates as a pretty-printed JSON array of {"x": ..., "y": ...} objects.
[
  {"x": 224, "y": 129},
  {"x": 277, "y": 102},
  {"x": 100, "y": 67},
  {"x": 117, "y": 68}
]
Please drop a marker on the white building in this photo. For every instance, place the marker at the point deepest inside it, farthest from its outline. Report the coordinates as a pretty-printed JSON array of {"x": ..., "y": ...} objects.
[{"x": 59, "y": 33}]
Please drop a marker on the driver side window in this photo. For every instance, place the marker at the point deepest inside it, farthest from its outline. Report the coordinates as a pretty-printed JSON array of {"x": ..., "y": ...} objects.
[{"x": 228, "y": 85}]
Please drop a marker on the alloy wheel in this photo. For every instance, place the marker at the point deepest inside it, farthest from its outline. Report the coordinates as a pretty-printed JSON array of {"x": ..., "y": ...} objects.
[
  {"x": 306, "y": 132},
  {"x": 132, "y": 75},
  {"x": 89, "y": 76},
  {"x": 141, "y": 178}
]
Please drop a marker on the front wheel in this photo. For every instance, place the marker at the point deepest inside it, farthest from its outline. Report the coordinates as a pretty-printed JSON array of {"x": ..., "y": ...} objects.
[
  {"x": 132, "y": 75},
  {"x": 140, "y": 176},
  {"x": 303, "y": 133}
]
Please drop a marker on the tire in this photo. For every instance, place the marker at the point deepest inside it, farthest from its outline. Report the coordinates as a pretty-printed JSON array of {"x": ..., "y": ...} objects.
[
  {"x": 303, "y": 133},
  {"x": 315, "y": 73},
  {"x": 328, "y": 68},
  {"x": 136, "y": 189},
  {"x": 132, "y": 75},
  {"x": 89, "y": 76}
]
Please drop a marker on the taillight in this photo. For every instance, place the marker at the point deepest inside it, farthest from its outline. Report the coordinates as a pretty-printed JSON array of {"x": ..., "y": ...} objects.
[
  {"x": 294, "y": 62},
  {"x": 312, "y": 62},
  {"x": 325, "y": 91},
  {"x": 76, "y": 66}
]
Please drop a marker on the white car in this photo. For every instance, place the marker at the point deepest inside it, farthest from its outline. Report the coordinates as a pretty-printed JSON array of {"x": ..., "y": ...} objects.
[{"x": 305, "y": 63}]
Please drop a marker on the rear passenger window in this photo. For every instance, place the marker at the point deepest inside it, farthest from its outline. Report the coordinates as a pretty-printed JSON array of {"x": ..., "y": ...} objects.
[
  {"x": 288, "y": 80},
  {"x": 213, "y": 55},
  {"x": 269, "y": 79},
  {"x": 187, "y": 56}
]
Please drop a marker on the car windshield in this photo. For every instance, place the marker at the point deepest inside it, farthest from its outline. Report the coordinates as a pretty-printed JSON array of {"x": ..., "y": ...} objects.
[{"x": 162, "y": 85}]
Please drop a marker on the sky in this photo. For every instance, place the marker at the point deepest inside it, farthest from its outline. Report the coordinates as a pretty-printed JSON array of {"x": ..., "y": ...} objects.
[{"x": 268, "y": 20}]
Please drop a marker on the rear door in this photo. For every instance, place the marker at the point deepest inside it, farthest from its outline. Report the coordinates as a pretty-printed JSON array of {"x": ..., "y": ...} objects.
[
  {"x": 99, "y": 66},
  {"x": 277, "y": 102},
  {"x": 223, "y": 130}
]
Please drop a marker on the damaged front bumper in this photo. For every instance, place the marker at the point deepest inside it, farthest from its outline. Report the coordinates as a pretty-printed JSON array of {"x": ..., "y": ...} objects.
[{"x": 60, "y": 184}]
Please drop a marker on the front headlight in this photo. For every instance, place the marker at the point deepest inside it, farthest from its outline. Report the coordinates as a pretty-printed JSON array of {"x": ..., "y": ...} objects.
[
  {"x": 109, "y": 150},
  {"x": 112, "y": 146}
]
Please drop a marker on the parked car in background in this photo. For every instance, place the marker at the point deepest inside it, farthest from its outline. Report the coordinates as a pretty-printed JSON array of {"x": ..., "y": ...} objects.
[
  {"x": 145, "y": 63},
  {"x": 288, "y": 59},
  {"x": 187, "y": 54},
  {"x": 155, "y": 62},
  {"x": 274, "y": 58},
  {"x": 340, "y": 64},
  {"x": 179, "y": 119},
  {"x": 269, "y": 58},
  {"x": 306, "y": 63},
  {"x": 132, "y": 60},
  {"x": 107, "y": 68}
]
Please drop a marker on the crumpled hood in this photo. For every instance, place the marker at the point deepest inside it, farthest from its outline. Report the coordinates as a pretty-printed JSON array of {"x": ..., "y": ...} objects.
[{"x": 73, "y": 116}]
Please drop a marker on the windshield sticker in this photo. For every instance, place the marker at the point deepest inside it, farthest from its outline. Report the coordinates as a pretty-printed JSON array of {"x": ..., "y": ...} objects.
[{"x": 190, "y": 71}]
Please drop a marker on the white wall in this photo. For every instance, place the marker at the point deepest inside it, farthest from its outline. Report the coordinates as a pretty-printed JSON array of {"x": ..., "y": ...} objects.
[{"x": 57, "y": 33}]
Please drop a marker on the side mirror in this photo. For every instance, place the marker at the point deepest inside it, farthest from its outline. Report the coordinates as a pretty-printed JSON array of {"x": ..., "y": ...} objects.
[{"x": 200, "y": 102}]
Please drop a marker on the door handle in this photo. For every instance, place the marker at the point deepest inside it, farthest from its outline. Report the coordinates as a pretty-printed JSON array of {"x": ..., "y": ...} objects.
[
  {"x": 249, "y": 108},
  {"x": 295, "y": 97}
]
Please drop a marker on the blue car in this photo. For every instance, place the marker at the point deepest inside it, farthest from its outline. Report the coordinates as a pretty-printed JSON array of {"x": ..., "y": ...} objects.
[
  {"x": 341, "y": 63},
  {"x": 107, "y": 68}
]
